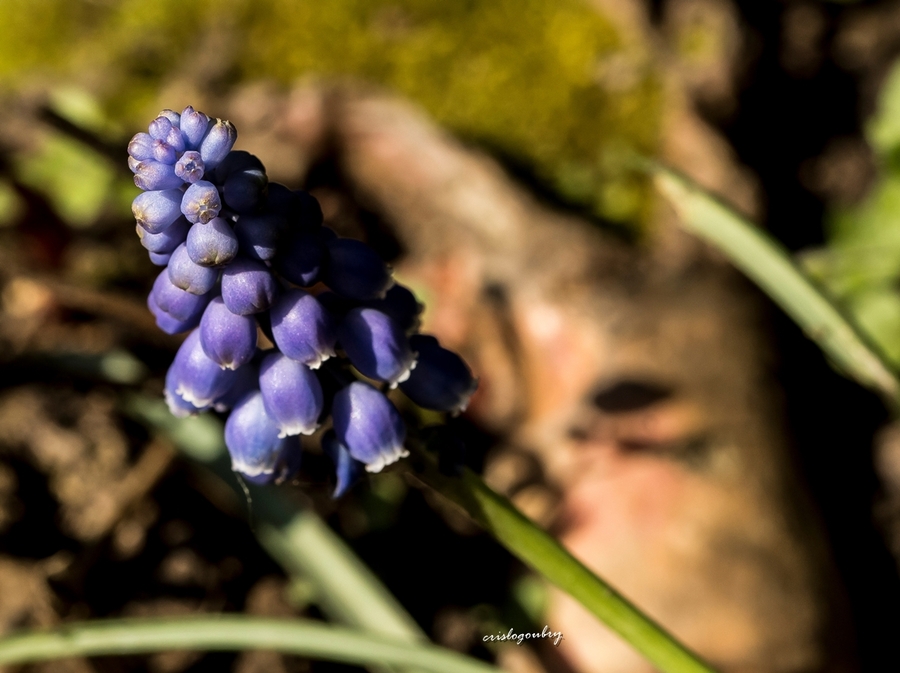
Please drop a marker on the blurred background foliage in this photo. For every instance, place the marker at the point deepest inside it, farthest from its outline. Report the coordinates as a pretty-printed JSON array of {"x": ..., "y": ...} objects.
[
  {"x": 860, "y": 263},
  {"x": 550, "y": 85}
]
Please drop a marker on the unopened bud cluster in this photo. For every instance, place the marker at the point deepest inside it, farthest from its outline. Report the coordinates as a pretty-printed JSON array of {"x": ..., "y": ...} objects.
[{"x": 243, "y": 255}]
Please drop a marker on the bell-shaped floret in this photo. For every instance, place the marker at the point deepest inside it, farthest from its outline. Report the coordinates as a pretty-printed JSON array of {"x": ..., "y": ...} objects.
[
  {"x": 251, "y": 436},
  {"x": 347, "y": 469},
  {"x": 213, "y": 243},
  {"x": 189, "y": 276},
  {"x": 228, "y": 339},
  {"x": 248, "y": 286},
  {"x": 302, "y": 328},
  {"x": 401, "y": 305},
  {"x": 217, "y": 143},
  {"x": 292, "y": 394},
  {"x": 300, "y": 258},
  {"x": 441, "y": 380},
  {"x": 194, "y": 377},
  {"x": 140, "y": 147},
  {"x": 244, "y": 191},
  {"x": 366, "y": 422},
  {"x": 260, "y": 234},
  {"x": 156, "y": 210},
  {"x": 189, "y": 168},
  {"x": 193, "y": 127},
  {"x": 376, "y": 345},
  {"x": 152, "y": 175},
  {"x": 355, "y": 270},
  {"x": 164, "y": 152},
  {"x": 201, "y": 202},
  {"x": 175, "y": 310},
  {"x": 167, "y": 240},
  {"x": 301, "y": 209}
]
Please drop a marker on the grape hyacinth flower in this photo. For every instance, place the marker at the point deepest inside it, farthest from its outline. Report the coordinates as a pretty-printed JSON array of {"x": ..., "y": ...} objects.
[{"x": 244, "y": 256}]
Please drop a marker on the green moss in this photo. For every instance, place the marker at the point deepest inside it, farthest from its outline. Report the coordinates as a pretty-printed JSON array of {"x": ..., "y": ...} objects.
[{"x": 523, "y": 76}]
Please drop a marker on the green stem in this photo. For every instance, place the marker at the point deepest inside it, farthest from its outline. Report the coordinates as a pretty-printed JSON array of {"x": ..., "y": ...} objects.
[
  {"x": 545, "y": 555},
  {"x": 770, "y": 266},
  {"x": 230, "y": 633}
]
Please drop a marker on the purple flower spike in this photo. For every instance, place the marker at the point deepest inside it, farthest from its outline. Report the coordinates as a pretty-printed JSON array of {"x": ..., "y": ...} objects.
[
  {"x": 187, "y": 275},
  {"x": 152, "y": 175},
  {"x": 260, "y": 235},
  {"x": 369, "y": 426},
  {"x": 251, "y": 436},
  {"x": 201, "y": 202},
  {"x": 213, "y": 243},
  {"x": 355, "y": 270},
  {"x": 189, "y": 167},
  {"x": 347, "y": 469},
  {"x": 376, "y": 345},
  {"x": 441, "y": 380},
  {"x": 217, "y": 143},
  {"x": 248, "y": 286},
  {"x": 193, "y": 127},
  {"x": 302, "y": 328},
  {"x": 292, "y": 394},
  {"x": 195, "y": 378},
  {"x": 140, "y": 147},
  {"x": 156, "y": 210},
  {"x": 300, "y": 259},
  {"x": 245, "y": 190},
  {"x": 167, "y": 240},
  {"x": 402, "y": 306},
  {"x": 227, "y": 338}
]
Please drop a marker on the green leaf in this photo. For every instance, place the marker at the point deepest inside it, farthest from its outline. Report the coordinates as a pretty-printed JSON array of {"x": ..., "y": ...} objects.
[{"x": 230, "y": 633}]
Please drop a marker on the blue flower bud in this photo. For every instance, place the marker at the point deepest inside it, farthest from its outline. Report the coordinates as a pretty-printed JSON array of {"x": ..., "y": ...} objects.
[
  {"x": 301, "y": 209},
  {"x": 292, "y": 394},
  {"x": 347, "y": 469},
  {"x": 195, "y": 378},
  {"x": 441, "y": 380},
  {"x": 160, "y": 258},
  {"x": 187, "y": 275},
  {"x": 248, "y": 286},
  {"x": 302, "y": 328},
  {"x": 168, "y": 323},
  {"x": 300, "y": 258},
  {"x": 235, "y": 161},
  {"x": 190, "y": 167},
  {"x": 140, "y": 147},
  {"x": 167, "y": 240},
  {"x": 201, "y": 202},
  {"x": 172, "y": 300},
  {"x": 376, "y": 345},
  {"x": 369, "y": 426},
  {"x": 172, "y": 116},
  {"x": 251, "y": 436},
  {"x": 259, "y": 235},
  {"x": 156, "y": 210},
  {"x": 401, "y": 305},
  {"x": 227, "y": 339},
  {"x": 213, "y": 243},
  {"x": 160, "y": 128},
  {"x": 244, "y": 191},
  {"x": 194, "y": 125},
  {"x": 164, "y": 152},
  {"x": 178, "y": 406},
  {"x": 355, "y": 270},
  {"x": 217, "y": 143},
  {"x": 153, "y": 175}
]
